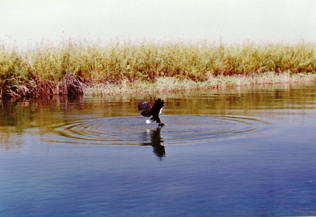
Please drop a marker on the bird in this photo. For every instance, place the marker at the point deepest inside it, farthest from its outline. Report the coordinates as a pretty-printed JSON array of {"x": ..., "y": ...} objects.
[{"x": 149, "y": 110}]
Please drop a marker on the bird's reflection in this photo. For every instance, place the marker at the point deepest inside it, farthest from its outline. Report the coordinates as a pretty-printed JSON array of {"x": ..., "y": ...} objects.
[{"x": 155, "y": 141}]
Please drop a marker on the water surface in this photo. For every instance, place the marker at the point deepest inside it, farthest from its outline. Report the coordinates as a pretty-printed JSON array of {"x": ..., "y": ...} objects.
[{"x": 248, "y": 151}]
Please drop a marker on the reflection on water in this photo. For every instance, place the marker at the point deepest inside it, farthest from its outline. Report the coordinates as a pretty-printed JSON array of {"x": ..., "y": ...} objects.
[
  {"x": 155, "y": 140},
  {"x": 239, "y": 152},
  {"x": 75, "y": 114},
  {"x": 179, "y": 130},
  {"x": 201, "y": 116}
]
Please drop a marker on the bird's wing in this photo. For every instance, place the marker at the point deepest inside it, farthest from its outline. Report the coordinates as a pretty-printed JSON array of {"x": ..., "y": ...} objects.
[
  {"x": 145, "y": 107},
  {"x": 156, "y": 109}
]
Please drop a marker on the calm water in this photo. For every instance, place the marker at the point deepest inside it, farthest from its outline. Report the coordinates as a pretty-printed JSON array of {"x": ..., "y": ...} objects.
[{"x": 234, "y": 152}]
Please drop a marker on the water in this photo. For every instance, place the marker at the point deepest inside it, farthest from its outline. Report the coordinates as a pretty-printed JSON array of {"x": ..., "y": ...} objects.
[{"x": 235, "y": 152}]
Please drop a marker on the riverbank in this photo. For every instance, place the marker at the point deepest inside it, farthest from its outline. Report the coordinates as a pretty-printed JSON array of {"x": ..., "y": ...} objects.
[
  {"x": 163, "y": 85},
  {"x": 71, "y": 85},
  {"x": 118, "y": 68}
]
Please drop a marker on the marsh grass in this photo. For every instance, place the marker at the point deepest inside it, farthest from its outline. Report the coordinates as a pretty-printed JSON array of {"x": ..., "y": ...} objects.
[
  {"x": 149, "y": 66},
  {"x": 171, "y": 84}
]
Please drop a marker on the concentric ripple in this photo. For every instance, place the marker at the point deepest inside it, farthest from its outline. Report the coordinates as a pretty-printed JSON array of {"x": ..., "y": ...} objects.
[{"x": 134, "y": 130}]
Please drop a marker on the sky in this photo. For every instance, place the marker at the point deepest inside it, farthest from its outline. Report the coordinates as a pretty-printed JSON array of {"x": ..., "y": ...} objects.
[{"x": 26, "y": 22}]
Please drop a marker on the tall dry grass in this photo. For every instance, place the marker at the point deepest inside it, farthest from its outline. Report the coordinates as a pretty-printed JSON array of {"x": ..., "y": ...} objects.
[{"x": 149, "y": 61}]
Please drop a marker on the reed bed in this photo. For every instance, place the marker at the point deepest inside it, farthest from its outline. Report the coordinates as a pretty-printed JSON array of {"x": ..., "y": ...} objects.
[{"x": 149, "y": 66}]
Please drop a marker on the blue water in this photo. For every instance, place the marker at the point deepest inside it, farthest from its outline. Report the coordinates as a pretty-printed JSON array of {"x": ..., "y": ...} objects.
[{"x": 262, "y": 163}]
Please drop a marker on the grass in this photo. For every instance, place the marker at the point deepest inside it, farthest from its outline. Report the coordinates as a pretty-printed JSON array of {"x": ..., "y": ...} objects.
[
  {"x": 170, "y": 84},
  {"x": 149, "y": 66}
]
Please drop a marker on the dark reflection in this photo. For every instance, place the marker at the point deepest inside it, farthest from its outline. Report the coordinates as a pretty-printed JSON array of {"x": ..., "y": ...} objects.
[
  {"x": 155, "y": 141},
  {"x": 9, "y": 113},
  {"x": 19, "y": 114}
]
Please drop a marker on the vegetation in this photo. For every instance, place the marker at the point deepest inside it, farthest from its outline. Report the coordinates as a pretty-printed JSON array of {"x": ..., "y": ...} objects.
[{"x": 120, "y": 67}]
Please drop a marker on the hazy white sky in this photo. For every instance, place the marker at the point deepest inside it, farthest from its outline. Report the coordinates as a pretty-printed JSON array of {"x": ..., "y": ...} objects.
[{"x": 24, "y": 22}]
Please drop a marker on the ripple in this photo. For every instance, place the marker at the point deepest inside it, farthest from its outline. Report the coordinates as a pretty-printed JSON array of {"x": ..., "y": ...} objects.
[{"x": 134, "y": 130}]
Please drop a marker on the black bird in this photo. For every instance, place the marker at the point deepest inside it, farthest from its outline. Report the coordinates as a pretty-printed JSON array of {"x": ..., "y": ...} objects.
[{"x": 149, "y": 110}]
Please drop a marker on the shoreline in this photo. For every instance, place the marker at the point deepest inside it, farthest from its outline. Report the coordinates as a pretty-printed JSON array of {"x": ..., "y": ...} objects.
[
  {"x": 170, "y": 84},
  {"x": 71, "y": 85}
]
